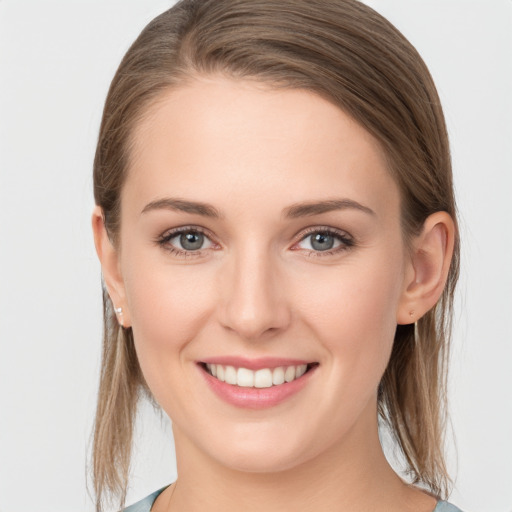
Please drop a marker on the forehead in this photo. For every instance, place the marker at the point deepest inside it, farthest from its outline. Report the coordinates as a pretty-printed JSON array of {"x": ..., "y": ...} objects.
[{"x": 216, "y": 137}]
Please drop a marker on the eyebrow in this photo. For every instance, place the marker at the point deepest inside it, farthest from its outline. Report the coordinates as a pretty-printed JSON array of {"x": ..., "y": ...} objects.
[
  {"x": 297, "y": 210},
  {"x": 170, "y": 203},
  {"x": 316, "y": 207}
]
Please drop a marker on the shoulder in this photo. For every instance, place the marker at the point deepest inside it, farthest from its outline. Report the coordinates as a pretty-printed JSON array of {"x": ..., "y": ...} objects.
[
  {"x": 444, "y": 506},
  {"x": 145, "y": 504}
]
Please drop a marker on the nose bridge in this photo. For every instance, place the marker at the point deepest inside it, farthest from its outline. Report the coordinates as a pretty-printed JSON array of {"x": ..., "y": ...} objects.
[{"x": 254, "y": 300}]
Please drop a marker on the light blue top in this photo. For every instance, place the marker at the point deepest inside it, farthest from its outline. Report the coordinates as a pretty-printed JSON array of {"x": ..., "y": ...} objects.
[{"x": 146, "y": 504}]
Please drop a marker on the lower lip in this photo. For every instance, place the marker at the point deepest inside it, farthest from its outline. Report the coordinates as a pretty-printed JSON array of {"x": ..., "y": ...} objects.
[{"x": 256, "y": 398}]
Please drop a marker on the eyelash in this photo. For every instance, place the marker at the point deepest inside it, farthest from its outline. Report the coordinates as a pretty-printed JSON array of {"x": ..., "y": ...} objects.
[
  {"x": 163, "y": 241},
  {"x": 347, "y": 242}
]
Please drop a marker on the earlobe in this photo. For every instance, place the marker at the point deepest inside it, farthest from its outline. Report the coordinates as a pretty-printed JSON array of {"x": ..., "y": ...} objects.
[
  {"x": 110, "y": 267},
  {"x": 431, "y": 256}
]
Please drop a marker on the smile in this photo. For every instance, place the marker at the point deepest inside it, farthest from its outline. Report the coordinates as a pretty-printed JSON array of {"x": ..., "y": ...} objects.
[
  {"x": 262, "y": 378},
  {"x": 266, "y": 384}
]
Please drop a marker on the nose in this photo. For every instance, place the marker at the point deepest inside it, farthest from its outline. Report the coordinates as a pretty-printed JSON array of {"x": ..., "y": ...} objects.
[{"x": 253, "y": 301}]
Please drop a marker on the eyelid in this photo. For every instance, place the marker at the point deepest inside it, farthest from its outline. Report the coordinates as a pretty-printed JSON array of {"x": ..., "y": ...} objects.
[
  {"x": 339, "y": 233},
  {"x": 170, "y": 233},
  {"x": 323, "y": 229}
]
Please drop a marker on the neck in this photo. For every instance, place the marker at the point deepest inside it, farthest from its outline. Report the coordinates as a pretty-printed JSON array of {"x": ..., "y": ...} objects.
[{"x": 352, "y": 475}]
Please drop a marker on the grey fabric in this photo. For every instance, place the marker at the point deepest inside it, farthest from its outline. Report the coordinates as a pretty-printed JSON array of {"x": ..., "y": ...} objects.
[
  {"x": 444, "y": 506},
  {"x": 145, "y": 504}
]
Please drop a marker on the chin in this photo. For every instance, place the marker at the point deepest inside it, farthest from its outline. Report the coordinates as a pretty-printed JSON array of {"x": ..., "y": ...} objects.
[
  {"x": 259, "y": 454},
  {"x": 251, "y": 462}
]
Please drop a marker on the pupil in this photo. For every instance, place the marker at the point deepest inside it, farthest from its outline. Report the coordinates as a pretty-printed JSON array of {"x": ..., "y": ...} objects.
[
  {"x": 191, "y": 241},
  {"x": 322, "y": 242}
]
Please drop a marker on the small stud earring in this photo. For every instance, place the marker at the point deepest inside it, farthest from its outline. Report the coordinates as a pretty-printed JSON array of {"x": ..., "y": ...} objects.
[{"x": 119, "y": 313}]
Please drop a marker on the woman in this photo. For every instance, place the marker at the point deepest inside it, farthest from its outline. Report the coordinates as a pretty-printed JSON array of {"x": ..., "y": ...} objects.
[{"x": 276, "y": 226}]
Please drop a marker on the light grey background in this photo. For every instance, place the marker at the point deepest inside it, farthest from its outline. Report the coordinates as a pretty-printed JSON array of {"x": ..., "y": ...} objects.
[{"x": 56, "y": 61}]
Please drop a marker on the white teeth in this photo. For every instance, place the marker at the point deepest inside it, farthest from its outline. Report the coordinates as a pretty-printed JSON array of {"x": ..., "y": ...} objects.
[
  {"x": 301, "y": 370},
  {"x": 230, "y": 375},
  {"x": 289, "y": 374},
  {"x": 264, "y": 378},
  {"x": 278, "y": 376},
  {"x": 245, "y": 377}
]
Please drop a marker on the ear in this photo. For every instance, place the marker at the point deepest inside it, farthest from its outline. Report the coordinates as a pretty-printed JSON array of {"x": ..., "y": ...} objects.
[
  {"x": 110, "y": 267},
  {"x": 427, "y": 268}
]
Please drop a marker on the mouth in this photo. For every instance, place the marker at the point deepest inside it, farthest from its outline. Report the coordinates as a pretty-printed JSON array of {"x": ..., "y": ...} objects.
[
  {"x": 260, "y": 378},
  {"x": 256, "y": 383}
]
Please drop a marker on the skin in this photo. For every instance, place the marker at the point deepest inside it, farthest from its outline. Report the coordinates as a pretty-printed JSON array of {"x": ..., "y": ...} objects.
[{"x": 259, "y": 288}]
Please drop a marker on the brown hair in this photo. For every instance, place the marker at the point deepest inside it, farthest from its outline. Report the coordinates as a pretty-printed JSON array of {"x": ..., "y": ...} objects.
[{"x": 349, "y": 54}]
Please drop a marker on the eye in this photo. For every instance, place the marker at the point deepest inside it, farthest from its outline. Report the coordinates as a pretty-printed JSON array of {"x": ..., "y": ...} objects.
[
  {"x": 325, "y": 241},
  {"x": 190, "y": 241},
  {"x": 185, "y": 241}
]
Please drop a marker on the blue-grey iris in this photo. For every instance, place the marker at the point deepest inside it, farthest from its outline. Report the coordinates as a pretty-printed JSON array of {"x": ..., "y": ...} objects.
[
  {"x": 322, "y": 242},
  {"x": 191, "y": 241}
]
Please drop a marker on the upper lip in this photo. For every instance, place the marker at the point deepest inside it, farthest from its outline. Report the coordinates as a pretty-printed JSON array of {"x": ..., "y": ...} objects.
[{"x": 254, "y": 363}]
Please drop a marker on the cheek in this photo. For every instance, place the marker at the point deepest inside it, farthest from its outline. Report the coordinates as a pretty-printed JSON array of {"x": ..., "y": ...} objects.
[
  {"x": 168, "y": 307},
  {"x": 353, "y": 314},
  {"x": 162, "y": 306}
]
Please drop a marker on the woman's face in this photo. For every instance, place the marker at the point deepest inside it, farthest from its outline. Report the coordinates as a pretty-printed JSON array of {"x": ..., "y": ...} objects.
[{"x": 260, "y": 233}]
